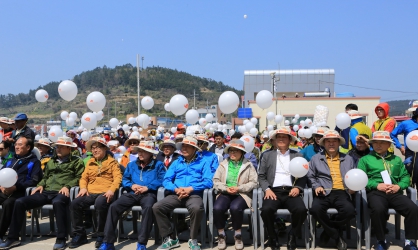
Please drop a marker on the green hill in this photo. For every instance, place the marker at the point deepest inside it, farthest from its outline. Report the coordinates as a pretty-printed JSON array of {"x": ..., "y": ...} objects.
[
  {"x": 119, "y": 85},
  {"x": 398, "y": 107}
]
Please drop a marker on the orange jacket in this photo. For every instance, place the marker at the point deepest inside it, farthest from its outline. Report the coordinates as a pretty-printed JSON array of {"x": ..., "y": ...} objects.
[
  {"x": 99, "y": 178},
  {"x": 385, "y": 124}
]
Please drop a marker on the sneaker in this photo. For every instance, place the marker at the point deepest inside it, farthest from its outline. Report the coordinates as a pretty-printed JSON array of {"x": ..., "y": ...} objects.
[
  {"x": 60, "y": 244},
  {"x": 221, "y": 242},
  {"x": 139, "y": 246},
  {"x": 99, "y": 241},
  {"x": 106, "y": 246},
  {"x": 193, "y": 245},
  {"x": 169, "y": 243},
  {"x": 9, "y": 244},
  {"x": 78, "y": 240},
  {"x": 381, "y": 245},
  {"x": 238, "y": 242},
  {"x": 411, "y": 246}
]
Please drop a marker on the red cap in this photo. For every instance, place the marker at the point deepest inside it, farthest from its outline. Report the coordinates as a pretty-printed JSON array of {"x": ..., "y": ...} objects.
[{"x": 180, "y": 126}]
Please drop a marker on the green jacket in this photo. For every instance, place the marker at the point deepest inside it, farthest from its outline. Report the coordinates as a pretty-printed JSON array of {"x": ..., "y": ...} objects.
[
  {"x": 58, "y": 175},
  {"x": 373, "y": 164}
]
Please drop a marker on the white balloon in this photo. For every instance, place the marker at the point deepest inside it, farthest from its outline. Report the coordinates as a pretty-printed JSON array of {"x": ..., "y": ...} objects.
[
  {"x": 228, "y": 102},
  {"x": 242, "y": 129},
  {"x": 134, "y": 128},
  {"x": 125, "y": 127},
  {"x": 356, "y": 179},
  {"x": 270, "y": 116},
  {"x": 249, "y": 126},
  {"x": 301, "y": 132},
  {"x": 89, "y": 120},
  {"x": 67, "y": 90},
  {"x": 85, "y": 136},
  {"x": 412, "y": 141},
  {"x": 179, "y": 104},
  {"x": 173, "y": 130},
  {"x": 308, "y": 133},
  {"x": 167, "y": 107},
  {"x": 308, "y": 122},
  {"x": 135, "y": 134},
  {"x": 209, "y": 117},
  {"x": 8, "y": 177},
  {"x": 343, "y": 121},
  {"x": 232, "y": 131},
  {"x": 143, "y": 120},
  {"x": 224, "y": 126},
  {"x": 298, "y": 167},
  {"x": 295, "y": 128},
  {"x": 294, "y": 121},
  {"x": 114, "y": 122},
  {"x": 278, "y": 119},
  {"x": 297, "y": 116},
  {"x": 131, "y": 120},
  {"x": 122, "y": 149},
  {"x": 53, "y": 134},
  {"x": 99, "y": 115},
  {"x": 224, "y": 131},
  {"x": 64, "y": 115},
  {"x": 37, "y": 137},
  {"x": 248, "y": 143},
  {"x": 302, "y": 123},
  {"x": 254, "y": 121},
  {"x": 192, "y": 116},
  {"x": 270, "y": 127},
  {"x": 202, "y": 122},
  {"x": 208, "y": 126},
  {"x": 314, "y": 129},
  {"x": 245, "y": 16},
  {"x": 245, "y": 121},
  {"x": 73, "y": 115},
  {"x": 264, "y": 99},
  {"x": 140, "y": 129},
  {"x": 220, "y": 128},
  {"x": 70, "y": 122},
  {"x": 254, "y": 131},
  {"x": 41, "y": 95},
  {"x": 96, "y": 101},
  {"x": 286, "y": 123},
  {"x": 147, "y": 102}
]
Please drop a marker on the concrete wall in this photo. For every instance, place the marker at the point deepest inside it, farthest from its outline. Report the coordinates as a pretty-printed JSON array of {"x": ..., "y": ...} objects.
[{"x": 288, "y": 107}]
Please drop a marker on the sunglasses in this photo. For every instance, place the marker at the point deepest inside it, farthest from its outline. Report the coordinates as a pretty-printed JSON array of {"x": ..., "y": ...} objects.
[
  {"x": 134, "y": 143},
  {"x": 1, "y": 149}
]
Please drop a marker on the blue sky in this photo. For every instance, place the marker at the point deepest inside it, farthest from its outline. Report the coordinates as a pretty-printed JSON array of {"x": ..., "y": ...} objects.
[{"x": 370, "y": 43}]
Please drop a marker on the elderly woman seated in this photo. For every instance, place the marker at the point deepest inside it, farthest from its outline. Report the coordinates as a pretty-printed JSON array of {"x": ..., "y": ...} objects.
[{"x": 234, "y": 180}]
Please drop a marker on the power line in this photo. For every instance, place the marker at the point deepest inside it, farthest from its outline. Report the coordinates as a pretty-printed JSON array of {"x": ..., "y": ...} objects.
[{"x": 386, "y": 90}]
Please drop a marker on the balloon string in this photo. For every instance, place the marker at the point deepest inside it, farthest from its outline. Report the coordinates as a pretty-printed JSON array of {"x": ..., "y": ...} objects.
[{"x": 296, "y": 178}]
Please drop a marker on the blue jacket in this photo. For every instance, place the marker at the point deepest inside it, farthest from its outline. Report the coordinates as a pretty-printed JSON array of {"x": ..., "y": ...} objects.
[
  {"x": 345, "y": 133},
  {"x": 196, "y": 174},
  {"x": 151, "y": 176},
  {"x": 212, "y": 159},
  {"x": 404, "y": 128},
  {"x": 28, "y": 169},
  {"x": 310, "y": 151}
]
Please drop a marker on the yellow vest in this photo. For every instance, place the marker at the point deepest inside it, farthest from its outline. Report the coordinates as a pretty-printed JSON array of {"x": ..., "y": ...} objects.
[
  {"x": 334, "y": 168},
  {"x": 361, "y": 129}
]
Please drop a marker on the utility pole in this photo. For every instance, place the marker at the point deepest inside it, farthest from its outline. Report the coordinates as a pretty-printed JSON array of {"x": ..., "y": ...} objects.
[
  {"x": 194, "y": 99},
  {"x": 138, "y": 82}
]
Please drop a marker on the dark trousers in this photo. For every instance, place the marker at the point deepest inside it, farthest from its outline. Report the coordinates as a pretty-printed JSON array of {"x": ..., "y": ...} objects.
[
  {"x": 295, "y": 206},
  {"x": 162, "y": 209},
  {"x": 236, "y": 205},
  {"x": 125, "y": 202},
  {"x": 84, "y": 202},
  {"x": 59, "y": 202},
  {"x": 7, "y": 210},
  {"x": 379, "y": 203},
  {"x": 338, "y": 199}
]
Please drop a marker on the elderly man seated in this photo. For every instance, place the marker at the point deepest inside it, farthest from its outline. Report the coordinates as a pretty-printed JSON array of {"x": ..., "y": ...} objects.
[{"x": 388, "y": 178}]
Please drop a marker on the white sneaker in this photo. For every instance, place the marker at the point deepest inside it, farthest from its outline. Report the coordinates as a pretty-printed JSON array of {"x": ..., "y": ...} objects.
[{"x": 221, "y": 241}]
